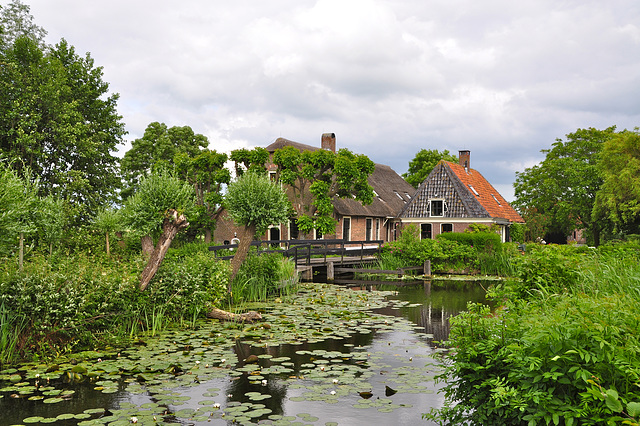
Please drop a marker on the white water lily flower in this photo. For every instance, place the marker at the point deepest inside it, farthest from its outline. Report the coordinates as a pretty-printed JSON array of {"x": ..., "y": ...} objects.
[
  {"x": 333, "y": 392},
  {"x": 133, "y": 420}
]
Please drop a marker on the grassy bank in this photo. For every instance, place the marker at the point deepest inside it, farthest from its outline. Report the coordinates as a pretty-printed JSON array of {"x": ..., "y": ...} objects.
[
  {"x": 562, "y": 349},
  {"x": 78, "y": 301}
]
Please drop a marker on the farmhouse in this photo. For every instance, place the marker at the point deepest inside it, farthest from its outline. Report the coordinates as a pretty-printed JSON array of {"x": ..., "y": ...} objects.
[
  {"x": 453, "y": 197},
  {"x": 376, "y": 221}
]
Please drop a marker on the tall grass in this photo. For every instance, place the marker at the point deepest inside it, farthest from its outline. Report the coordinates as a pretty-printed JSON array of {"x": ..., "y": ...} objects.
[
  {"x": 610, "y": 274},
  {"x": 263, "y": 276},
  {"x": 11, "y": 327}
]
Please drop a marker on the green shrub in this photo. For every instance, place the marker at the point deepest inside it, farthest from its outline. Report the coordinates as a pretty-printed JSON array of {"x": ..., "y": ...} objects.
[
  {"x": 187, "y": 286},
  {"x": 481, "y": 241},
  {"x": 571, "y": 361},
  {"x": 562, "y": 350},
  {"x": 86, "y": 301},
  {"x": 445, "y": 255}
]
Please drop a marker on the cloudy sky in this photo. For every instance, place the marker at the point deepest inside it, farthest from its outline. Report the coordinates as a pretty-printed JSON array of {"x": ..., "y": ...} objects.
[{"x": 501, "y": 78}]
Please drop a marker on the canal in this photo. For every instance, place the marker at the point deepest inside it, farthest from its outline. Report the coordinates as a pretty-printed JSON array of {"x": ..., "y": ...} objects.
[{"x": 330, "y": 355}]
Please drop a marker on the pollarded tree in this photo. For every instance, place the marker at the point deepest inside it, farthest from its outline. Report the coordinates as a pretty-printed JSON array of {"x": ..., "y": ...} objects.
[
  {"x": 563, "y": 186},
  {"x": 618, "y": 200},
  {"x": 159, "y": 145},
  {"x": 159, "y": 207},
  {"x": 253, "y": 160},
  {"x": 109, "y": 221},
  {"x": 423, "y": 163},
  {"x": 255, "y": 203},
  {"x": 314, "y": 178}
]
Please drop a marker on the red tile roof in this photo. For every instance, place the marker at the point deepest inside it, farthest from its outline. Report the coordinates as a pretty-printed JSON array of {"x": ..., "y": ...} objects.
[{"x": 484, "y": 193}]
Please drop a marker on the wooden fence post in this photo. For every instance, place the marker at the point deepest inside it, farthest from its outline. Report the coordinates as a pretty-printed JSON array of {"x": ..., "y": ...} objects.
[
  {"x": 427, "y": 268},
  {"x": 330, "y": 271}
]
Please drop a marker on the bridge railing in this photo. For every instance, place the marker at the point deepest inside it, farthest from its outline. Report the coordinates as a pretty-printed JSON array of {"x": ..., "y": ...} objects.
[{"x": 305, "y": 250}]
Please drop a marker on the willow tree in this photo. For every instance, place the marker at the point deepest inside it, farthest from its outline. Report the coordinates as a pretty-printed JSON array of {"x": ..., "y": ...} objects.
[
  {"x": 159, "y": 208},
  {"x": 254, "y": 203}
]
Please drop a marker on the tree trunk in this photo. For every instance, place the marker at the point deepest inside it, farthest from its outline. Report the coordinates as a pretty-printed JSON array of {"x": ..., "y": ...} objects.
[
  {"x": 21, "y": 253},
  {"x": 147, "y": 246},
  {"x": 248, "y": 233},
  {"x": 108, "y": 248},
  {"x": 207, "y": 236},
  {"x": 250, "y": 316},
  {"x": 172, "y": 224}
]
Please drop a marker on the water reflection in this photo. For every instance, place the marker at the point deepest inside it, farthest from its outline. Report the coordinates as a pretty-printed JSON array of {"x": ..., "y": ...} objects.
[
  {"x": 432, "y": 302},
  {"x": 428, "y": 305}
]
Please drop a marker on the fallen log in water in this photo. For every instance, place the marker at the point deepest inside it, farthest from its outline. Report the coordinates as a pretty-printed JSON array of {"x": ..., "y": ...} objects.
[{"x": 250, "y": 316}]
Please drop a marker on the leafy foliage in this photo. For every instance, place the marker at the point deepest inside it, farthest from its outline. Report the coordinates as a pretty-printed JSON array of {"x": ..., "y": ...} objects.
[
  {"x": 423, "y": 163},
  {"x": 314, "y": 178},
  {"x": 618, "y": 200},
  {"x": 562, "y": 349},
  {"x": 445, "y": 255},
  {"x": 158, "y": 193},
  {"x": 562, "y": 189},
  {"x": 254, "y": 200},
  {"x": 157, "y": 148},
  {"x": 58, "y": 120},
  {"x": 72, "y": 302}
]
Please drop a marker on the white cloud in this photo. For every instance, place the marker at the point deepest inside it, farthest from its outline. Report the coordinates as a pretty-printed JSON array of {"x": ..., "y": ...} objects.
[{"x": 501, "y": 78}]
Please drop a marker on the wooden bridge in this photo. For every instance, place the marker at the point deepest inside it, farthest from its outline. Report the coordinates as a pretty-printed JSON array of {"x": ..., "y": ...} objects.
[
  {"x": 332, "y": 257},
  {"x": 313, "y": 254}
]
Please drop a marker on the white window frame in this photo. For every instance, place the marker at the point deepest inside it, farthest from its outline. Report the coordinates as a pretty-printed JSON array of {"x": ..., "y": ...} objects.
[
  {"x": 444, "y": 207},
  {"x": 348, "y": 237}
]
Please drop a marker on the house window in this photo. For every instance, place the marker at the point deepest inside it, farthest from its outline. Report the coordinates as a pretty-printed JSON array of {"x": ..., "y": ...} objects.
[
  {"x": 272, "y": 175},
  {"x": 437, "y": 207},
  {"x": 274, "y": 235},
  {"x": 294, "y": 233},
  {"x": 425, "y": 231},
  {"x": 377, "y": 229},
  {"x": 369, "y": 226},
  {"x": 346, "y": 228},
  {"x": 446, "y": 227}
]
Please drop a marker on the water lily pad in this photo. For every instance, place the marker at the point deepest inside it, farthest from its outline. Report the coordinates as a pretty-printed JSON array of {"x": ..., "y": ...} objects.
[
  {"x": 53, "y": 400},
  {"x": 35, "y": 419}
]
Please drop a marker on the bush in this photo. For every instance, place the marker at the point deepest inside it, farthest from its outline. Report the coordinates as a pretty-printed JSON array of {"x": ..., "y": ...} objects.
[
  {"x": 82, "y": 301},
  {"x": 563, "y": 349},
  {"x": 481, "y": 241},
  {"x": 573, "y": 361}
]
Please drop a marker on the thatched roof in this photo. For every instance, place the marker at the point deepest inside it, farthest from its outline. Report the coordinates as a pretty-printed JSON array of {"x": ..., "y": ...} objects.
[
  {"x": 282, "y": 142},
  {"x": 393, "y": 192}
]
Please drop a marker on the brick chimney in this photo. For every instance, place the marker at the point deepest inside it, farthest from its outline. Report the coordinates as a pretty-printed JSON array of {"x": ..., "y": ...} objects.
[
  {"x": 465, "y": 159},
  {"x": 329, "y": 142}
]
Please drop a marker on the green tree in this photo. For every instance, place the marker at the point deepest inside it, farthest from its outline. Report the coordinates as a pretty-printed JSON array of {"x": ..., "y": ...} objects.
[
  {"x": 618, "y": 200},
  {"x": 255, "y": 203},
  {"x": 51, "y": 220},
  {"x": 18, "y": 205},
  {"x": 249, "y": 160},
  {"x": 314, "y": 178},
  {"x": 58, "y": 120},
  {"x": 158, "y": 146},
  {"x": 16, "y": 21},
  {"x": 563, "y": 186},
  {"x": 159, "y": 207},
  {"x": 423, "y": 163},
  {"x": 109, "y": 221},
  {"x": 207, "y": 173}
]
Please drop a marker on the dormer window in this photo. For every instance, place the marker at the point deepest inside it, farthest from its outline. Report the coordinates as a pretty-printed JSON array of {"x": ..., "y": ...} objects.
[
  {"x": 399, "y": 196},
  {"x": 474, "y": 191},
  {"x": 497, "y": 201}
]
